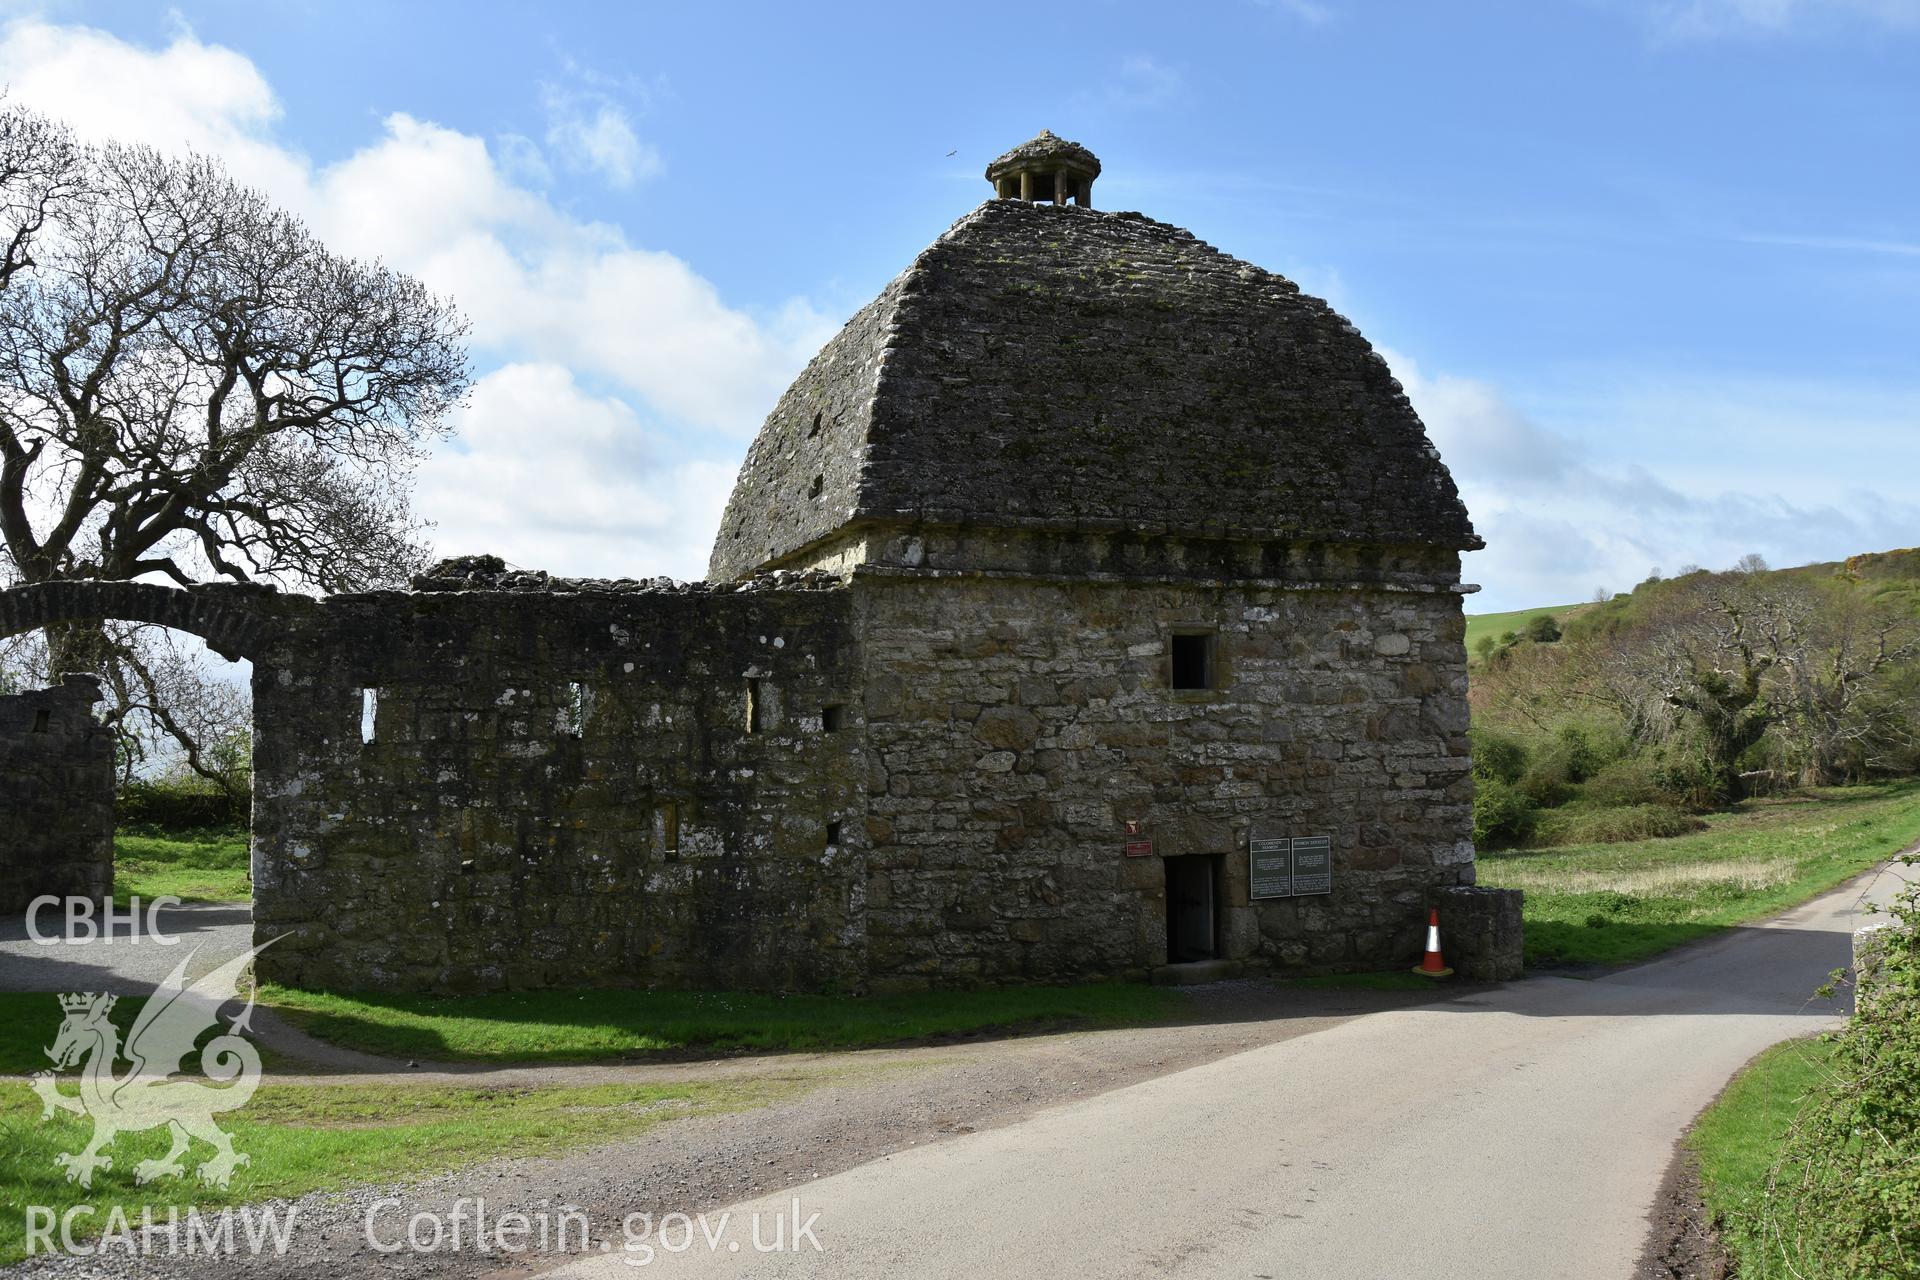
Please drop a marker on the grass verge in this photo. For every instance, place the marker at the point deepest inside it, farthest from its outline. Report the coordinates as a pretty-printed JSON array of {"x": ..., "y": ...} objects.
[
  {"x": 303, "y": 1138},
  {"x": 1738, "y": 1138},
  {"x": 555, "y": 1026},
  {"x": 1618, "y": 903},
  {"x": 195, "y": 866}
]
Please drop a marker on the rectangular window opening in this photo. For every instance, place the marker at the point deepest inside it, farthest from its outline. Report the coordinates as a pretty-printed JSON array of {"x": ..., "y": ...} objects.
[
  {"x": 1191, "y": 659},
  {"x": 369, "y": 712},
  {"x": 756, "y": 705},
  {"x": 833, "y": 717},
  {"x": 833, "y": 835},
  {"x": 576, "y": 710},
  {"x": 43, "y": 720}
]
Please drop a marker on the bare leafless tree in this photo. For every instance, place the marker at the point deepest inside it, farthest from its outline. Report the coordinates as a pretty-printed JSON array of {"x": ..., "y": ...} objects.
[
  {"x": 1739, "y": 658},
  {"x": 193, "y": 386},
  {"x": 1832, "y": 651}
]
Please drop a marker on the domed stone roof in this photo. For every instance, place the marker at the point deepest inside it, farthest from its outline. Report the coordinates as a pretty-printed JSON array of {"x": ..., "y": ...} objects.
[{"x": 1050, "y": 367}]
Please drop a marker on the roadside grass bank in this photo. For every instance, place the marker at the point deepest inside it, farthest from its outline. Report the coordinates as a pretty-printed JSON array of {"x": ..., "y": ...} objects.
[
  {"x": 1738, "y": 1139},
  {"x": 1619, "y": 903},
  {"x": 577, "y": 1026},
  {"x": 207, "y": 864},
  {"x": 303, "y": 1138},
  {"x": 1810, "y": 1162}
]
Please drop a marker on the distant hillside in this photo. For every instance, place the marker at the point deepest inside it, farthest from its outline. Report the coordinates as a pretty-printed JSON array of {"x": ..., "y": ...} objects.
[
  {"x": 1625, "y": 718},
  {"x": 1881, "y": 573}
]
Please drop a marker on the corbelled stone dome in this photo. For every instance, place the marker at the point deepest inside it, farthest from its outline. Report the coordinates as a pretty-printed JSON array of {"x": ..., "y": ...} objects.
[{"x": 1050, "y": 367}]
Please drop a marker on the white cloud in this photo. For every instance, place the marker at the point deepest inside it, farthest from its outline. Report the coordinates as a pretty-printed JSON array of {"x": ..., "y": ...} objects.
[
  {"x": 1136, "y": 82},
  {"x": 1145, "y": 82},
  {"x": 592, "y": 134},
  {"x": 188, "y": 93},
  {"x": 548, "y": 474},
  {"x": 1840, "y": 244},
  {"x": 1559, "y": 520},
  {"x": 543, "y": 288},
  {"x": 1309, "y": 11},
  {"x": 1705, "y": 19}
]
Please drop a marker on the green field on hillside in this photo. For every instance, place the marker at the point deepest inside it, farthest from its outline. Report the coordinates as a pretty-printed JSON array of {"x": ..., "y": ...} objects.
[{"x": 1498, "y": 624}]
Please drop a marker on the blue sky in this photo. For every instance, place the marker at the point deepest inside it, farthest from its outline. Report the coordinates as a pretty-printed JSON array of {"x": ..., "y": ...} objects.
[{"x": 1648, "y": 268}]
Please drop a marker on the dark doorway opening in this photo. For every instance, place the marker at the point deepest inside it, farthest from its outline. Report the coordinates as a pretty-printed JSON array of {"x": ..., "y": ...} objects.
[{"x": 1191, "y": 918}]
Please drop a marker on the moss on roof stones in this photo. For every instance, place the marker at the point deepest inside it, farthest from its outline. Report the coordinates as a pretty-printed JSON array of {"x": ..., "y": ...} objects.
[{"x": 1055, "y": 367}]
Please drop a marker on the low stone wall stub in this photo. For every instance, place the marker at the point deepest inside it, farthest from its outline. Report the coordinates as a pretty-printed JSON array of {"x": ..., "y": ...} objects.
[
  {"x": 56, "y": 808},
  {"x": 1482, "y": 933}
]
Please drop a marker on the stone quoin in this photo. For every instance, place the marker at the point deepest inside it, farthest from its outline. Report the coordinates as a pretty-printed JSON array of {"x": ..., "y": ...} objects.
[{"x": 1081, "y": 553}]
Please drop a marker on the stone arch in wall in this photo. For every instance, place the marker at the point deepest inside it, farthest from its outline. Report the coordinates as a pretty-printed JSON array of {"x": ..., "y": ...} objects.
[
  {"x": 57, "y": 807},
  {"x": 231, "y": 619}
]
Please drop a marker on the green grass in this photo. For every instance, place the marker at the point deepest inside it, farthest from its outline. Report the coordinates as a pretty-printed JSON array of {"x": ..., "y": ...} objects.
[
  {"x": 580, "y": 1026},
  {"x": 29, "y": 1021},
  {"x": 303, "y": 1138},
  {"x": 196, "y": 866},
  {"x": 1618, "y": 903},
  {"x": 1497, "y": 624},
  {"x": 1738, "y": 1138}
]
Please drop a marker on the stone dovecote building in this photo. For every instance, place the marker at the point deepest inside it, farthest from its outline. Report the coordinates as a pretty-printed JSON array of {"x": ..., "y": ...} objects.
[{"x": 1090, "y": 602}]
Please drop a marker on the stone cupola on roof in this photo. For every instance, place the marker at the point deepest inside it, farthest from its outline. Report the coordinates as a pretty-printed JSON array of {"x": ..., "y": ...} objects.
[
  {"x": 1046, "y": 367},
  {"x": 1046, "y": 167}
]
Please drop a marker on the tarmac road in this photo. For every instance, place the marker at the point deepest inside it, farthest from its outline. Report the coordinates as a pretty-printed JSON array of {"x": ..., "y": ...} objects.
[
  {"x": 133, "y": 961},
  {"x": 1520, "y": 1132}
]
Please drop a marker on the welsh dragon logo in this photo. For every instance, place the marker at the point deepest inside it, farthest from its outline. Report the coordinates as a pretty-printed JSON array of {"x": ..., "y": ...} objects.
[{"x": 147, "y": 1096}]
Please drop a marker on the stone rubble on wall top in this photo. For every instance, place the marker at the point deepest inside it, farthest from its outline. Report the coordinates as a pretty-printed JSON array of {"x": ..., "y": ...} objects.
[{"x": 490, "y": 573}]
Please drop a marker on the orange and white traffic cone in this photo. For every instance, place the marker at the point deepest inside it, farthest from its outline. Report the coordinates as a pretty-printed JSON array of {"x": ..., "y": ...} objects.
[{"x": 1433, "y": 964}]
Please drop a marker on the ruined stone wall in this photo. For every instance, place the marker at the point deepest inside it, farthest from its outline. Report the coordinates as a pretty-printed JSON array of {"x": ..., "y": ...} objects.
[
  {"x": 562, "y": 789},
  {"x": 56, "y": 796},
  {"x": 1016, "y": 723}
]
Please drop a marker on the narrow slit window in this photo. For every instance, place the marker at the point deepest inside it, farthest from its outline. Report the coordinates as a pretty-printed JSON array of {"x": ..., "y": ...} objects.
[
  {"x": 1191, "y": 659},
  {"x": 756, "y": 705},
  {"x": 43, "y": 720},
  {"x": 369, "y": 713},
  {"x": 666, "y": 830},
  {"x": 833, "y": 717},
  {"x": 576, "y": 709},
  {"x": 833, "y": 835}
]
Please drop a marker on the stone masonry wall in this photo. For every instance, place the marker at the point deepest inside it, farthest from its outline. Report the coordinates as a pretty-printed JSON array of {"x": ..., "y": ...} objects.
[
  {"x": 562, "y": 789},
  {"x": 1016, "y": 724},
  {"x": 916, "y": 775},
  {"x": 56, "y": 804}
]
